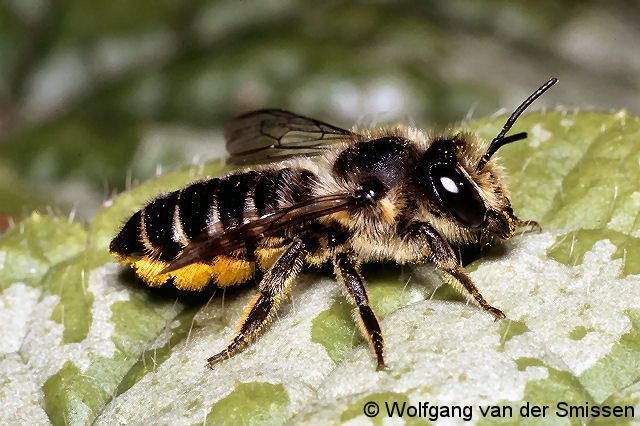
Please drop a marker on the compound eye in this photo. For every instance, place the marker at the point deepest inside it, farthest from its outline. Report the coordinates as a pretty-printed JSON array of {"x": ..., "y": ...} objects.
[{"x": 458, "y": 195}]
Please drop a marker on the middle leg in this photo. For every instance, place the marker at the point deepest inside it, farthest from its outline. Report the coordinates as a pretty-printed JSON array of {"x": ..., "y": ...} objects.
[{"x": 350, "y": 278}]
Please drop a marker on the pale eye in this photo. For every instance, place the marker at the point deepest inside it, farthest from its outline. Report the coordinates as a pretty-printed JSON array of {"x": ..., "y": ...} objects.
[{"x": 449, "y": 184}]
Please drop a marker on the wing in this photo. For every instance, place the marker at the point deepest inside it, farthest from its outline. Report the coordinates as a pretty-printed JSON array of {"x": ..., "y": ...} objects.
[
  {"x": 271, "y": 135},
  {"x": 207, "y": 245}
]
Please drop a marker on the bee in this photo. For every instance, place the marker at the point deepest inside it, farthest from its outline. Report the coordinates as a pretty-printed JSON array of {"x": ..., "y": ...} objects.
[{"x": 325, "y": 195}]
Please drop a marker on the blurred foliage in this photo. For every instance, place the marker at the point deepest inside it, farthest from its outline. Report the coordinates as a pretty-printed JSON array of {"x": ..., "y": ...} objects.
[{"x": 84, "y": 100}]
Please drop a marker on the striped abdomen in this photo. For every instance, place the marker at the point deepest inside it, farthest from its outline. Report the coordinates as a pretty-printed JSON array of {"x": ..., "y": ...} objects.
[{"x": 157, "y": 233}]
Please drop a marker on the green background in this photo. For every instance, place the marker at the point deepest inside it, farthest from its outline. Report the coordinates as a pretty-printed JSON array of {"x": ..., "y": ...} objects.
[{"x": 96, "y": 95}]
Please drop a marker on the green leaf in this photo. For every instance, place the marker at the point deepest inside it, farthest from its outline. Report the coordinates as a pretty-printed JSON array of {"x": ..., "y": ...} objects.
[{"x": 83, "y": 342}]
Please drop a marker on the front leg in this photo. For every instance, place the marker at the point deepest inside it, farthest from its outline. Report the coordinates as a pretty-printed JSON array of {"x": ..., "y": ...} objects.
[
  {"x": 531, "y": 223},
  {"x": 503, "y": 224},
  {"x": 441, "y": 253}
]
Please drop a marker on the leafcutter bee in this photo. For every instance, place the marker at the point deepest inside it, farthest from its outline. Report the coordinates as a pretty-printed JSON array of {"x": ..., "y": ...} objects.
[{"x": 383, "y": 194}]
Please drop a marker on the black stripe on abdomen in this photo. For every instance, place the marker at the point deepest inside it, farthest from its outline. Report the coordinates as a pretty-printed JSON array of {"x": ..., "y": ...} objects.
[
  {"x": 127, "y": 242},
  {"x": 232, "y": 197},
  {"x": 265, "y": 195},
  {"x": 157, "y": 219},
  {"x": 300, "y": 184},
  {"x": 195, "y": 203},
  {"x": 280, "y": 188}
]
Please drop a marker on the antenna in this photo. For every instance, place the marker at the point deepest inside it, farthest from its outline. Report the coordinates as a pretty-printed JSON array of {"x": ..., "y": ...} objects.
[{"x": 500, "y": 140}]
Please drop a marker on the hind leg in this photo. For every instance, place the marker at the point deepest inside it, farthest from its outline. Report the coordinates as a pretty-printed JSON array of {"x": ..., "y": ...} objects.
[{"x": 273, "y": 288}]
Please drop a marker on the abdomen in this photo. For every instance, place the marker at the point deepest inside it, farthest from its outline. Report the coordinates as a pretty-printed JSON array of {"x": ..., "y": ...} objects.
[{"x": 157, "y": 233}]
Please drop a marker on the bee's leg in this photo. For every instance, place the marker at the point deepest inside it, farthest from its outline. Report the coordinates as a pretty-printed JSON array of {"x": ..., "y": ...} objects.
[
  {"x": 441, "y": 253},
  {"x": 532, "y": 223},
  {"x": 518, "y": 222},
  {"x": 250, "y": 255},
  {"x": 273, "y": 288},
  {"x": 349, "y": 276}
]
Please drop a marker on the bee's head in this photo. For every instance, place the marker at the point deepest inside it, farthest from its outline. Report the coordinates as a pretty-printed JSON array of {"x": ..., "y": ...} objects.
[{"x": 464, "y": 184}]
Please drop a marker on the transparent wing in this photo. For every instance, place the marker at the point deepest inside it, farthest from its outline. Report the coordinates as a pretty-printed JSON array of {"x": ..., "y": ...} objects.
[
  {"x": 208, "y": 245},
  {"x": 272, "y": 135}
]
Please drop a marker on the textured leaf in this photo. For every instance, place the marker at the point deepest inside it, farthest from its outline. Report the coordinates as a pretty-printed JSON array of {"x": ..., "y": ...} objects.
[{"x": 83, "y": 342}]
